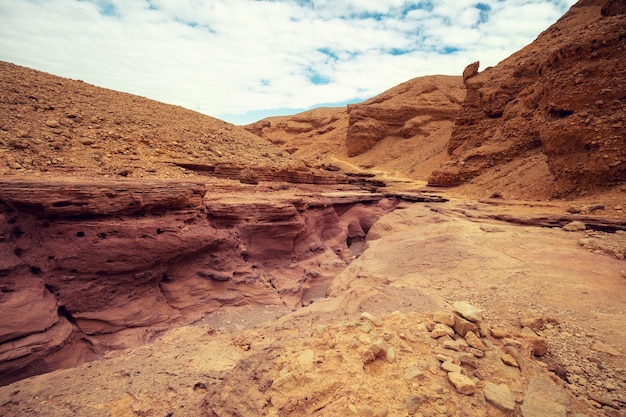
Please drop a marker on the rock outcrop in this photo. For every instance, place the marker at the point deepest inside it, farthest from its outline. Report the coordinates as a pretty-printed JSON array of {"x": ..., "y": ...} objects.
[
  {"x": 405, "y": 129},
  {"x": 402, "y": 112},
  {"x": 88, "y": 265},
  {"x": 560, "y": 98}
]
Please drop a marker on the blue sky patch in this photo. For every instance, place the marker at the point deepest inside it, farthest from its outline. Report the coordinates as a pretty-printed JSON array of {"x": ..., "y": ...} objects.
[
  {"x": 484, "y": 12},
  {"x": 106, "y": 7}
]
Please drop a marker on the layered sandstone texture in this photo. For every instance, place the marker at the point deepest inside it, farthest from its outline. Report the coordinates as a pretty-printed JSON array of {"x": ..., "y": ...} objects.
[
  {"x": 446, "y": 312},
  {"x": 90, "y": 265},
  {"x": 552, "y": 113},
  {"x": 404, "y": 130}
]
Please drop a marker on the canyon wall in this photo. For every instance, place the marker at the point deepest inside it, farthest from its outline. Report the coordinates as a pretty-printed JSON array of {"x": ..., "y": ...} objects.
[
  {"x": 560, "y": 98},
  {"x": 92, "y": 265}
]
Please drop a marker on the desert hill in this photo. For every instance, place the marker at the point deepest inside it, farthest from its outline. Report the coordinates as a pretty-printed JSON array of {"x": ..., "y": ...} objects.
[
  {"x": 158, "y": 262},
  {"x": 403, "y": 131},
  {"x": 546, "y": 122},
  {"x": 67, "y": 127}
]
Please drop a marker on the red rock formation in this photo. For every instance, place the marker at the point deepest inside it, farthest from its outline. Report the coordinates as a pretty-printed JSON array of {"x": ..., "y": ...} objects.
[
  {"x": 88, "y": 265},
  {"x": 561, "y": 96}
]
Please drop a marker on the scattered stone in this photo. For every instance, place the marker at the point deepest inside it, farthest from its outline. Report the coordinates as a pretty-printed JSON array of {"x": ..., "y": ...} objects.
[
  {"x": 441, "y": 330},
  {"x": 279, "y": 401},
  {"x": 451, "y": 367},
  {"x": 248, "y": 176},
  {"x": 538, "y": 345},
  {"x": 285, "y": 382},
  {"x": 543, "y": 398},
  {"x": 468, "y": 311},
  {"x": 477, "y": 353},
  {"x": 371, "y": 318},
  {"x": 22, "y": 133},
  {"x": 444, "y": 317},
  {"x": 413, "y": 404},
  {"x": 469, "y": 361},
  {"x": 462, "y": 326},
  {"x": 391, "y": 355},
  {"x": 604, "y": 348},
  {"x": 500, "y": 396},
  {"x": 53, "y": 123},
  {"x": 378, "y": 350},
  {"x": 574, "y": 226},
  {"x": 474, "y": 341},
  {"x": 498, "y": 333},
  {"x": 533, "y": 320},
  {"x": 574, "y": 209},
  {"x": 458, "y": 345},
  {"x": 508, "y": 359},
  {"x": 413, "y": 372},
  {"x": 602, "y": 400},
  {"x": 443, "y": 358},
  {"x": 596, "y": 207},
  {"x": 463, "y": 384}
]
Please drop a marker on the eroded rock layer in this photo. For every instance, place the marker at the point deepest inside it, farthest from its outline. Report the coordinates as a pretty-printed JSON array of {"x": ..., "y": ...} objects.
[
  {"x": 561, "y": 97},
  {"x": 404, "y": 129},
  {"x": 90, "y": 265},
  {"x": 403, "y": 111}
]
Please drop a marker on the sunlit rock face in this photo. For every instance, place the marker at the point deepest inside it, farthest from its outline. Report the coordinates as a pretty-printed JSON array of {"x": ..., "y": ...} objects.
[
  {"x": 90, "y": 265},
  {"x": 561, "y": 97}
]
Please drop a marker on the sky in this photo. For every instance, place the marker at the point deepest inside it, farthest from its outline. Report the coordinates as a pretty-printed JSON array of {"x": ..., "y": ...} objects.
[{"x": 243, "y": 60}]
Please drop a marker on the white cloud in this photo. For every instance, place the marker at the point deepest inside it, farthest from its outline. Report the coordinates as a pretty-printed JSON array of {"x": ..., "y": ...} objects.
[{"x": 228, "y": 57}]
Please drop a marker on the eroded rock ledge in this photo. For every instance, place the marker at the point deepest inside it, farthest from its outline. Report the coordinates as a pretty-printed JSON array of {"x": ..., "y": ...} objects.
[{"x": 87, "y": 266}]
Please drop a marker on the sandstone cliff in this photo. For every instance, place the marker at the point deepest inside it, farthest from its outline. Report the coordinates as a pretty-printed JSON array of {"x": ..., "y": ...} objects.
[
  {"x": 553, "y": 111},
  {"x": 90, "y": 265},
  {"x": 403, "y": 130}
]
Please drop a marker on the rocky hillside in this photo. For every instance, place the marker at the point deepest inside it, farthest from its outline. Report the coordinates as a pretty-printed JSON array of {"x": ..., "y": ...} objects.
[
  {"x": 107, "y": 199},
  {"x": 60, "y": 126},
  {"x": 555, "y": 109},
  {"x": 404, "y": 130}
]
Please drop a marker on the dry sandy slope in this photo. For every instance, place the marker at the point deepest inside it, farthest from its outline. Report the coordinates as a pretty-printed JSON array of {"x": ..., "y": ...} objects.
[
  {"x": 417, "y": 260},
  {"x": 54, "y": 125}
]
